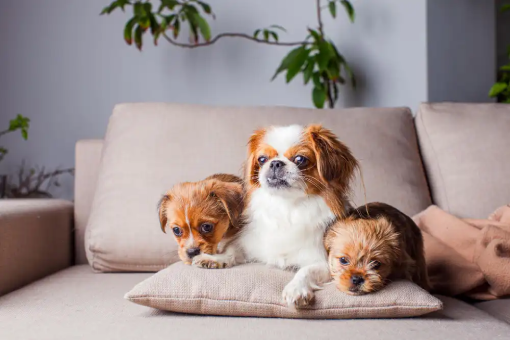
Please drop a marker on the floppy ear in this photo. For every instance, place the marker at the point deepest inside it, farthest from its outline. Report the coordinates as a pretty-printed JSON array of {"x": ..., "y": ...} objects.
[
  {"x": 252, "y": 166},
  {"x": 230, "y": 195},
  {"x": 162, "y": 211},
  {"x": 335, "y": 162}
]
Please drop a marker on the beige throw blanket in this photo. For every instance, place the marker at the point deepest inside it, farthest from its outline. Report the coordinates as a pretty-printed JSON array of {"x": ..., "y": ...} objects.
[{"x": 465, "y": 256}]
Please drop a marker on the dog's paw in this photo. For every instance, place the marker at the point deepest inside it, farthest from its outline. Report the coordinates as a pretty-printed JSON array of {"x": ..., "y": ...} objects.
[
  {"x": 209, "y": 262},
  {"x": 297, "y": 294}
]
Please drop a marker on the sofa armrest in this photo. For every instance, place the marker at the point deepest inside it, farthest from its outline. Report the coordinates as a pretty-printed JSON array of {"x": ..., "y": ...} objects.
[{"x": 35, "y": 240}]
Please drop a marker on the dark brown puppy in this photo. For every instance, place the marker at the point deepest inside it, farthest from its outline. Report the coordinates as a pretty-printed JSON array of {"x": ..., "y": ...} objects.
[{"x": 372, "y": 245}]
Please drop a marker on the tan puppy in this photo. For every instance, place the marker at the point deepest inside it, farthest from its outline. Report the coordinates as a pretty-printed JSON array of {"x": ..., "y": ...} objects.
[
  {"x": 204, "y": 217},
  {"x": 373, "y": 245}
]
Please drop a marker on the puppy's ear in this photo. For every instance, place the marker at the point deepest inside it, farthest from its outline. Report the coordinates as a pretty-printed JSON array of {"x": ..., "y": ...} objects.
[
  {"x": 335, "y": 161},
  {"x": 252, "y": 166},
  {"x": 162, "y": 211},
  {"x": 230, "y": 196}
]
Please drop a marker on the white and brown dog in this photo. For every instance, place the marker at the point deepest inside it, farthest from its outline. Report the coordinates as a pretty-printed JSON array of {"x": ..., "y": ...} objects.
[{"x": 297, "y": 181}]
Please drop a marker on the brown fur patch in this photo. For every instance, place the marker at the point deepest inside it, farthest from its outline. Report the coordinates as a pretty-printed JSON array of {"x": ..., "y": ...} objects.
[{"x": 382, "y": 234}]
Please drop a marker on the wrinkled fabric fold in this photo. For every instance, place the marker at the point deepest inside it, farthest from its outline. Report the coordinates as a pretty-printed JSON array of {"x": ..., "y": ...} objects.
[{"x": 467, "y": 257}]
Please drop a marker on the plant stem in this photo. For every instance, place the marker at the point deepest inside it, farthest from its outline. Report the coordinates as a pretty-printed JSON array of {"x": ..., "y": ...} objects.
[
  {"x": 233, "y": 35},
  {"x": 4, "y": 132},
  {"x": 319, "y": 18}
]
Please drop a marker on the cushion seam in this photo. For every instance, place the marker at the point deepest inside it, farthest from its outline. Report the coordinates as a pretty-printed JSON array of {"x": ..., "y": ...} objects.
[
  {"x": 443, "y": 186},
  {"x": 436, "y": 305}
]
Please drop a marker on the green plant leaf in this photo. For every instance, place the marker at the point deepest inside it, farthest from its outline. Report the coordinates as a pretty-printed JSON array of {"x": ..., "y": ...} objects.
[
  {"x": 170, "y": 4},
  {"x": 326, "y": 53},
  {"x": 274, "y": 35},
  {"x": 316, "y": 36},
  {"x": 332, "y": 8},
  {"x": 266, "y": 35},
  {"x": 20, "y": 123},
  {"x": 139, "y": 10},
  {"x": 296, "y": 65},
  {"x": 317, "y": 81},
  {"x": 505, "y": 68},
  {"x": 205, "y": 30},
  {"x": 287, "y": 61},
  {"x": 505, "y": 8},
  {"x": 256, "y": 33},
  {"x": 122, "y": 4},
  {"x": 138, "y": 37},
  {"x": 319, "y": 97},
  {"x": 110, "y": 8},
  {"x": 176, "y": 27},
  {"x": 308, "y": 70},
  {"x": 335, "y": 91},
  {"x": 497, "y": 89},
  {"x": 147, "y": 6},
  {"x": 128, "y": 31},
  {"x": 349, "y": 9},
  {"x": 278, "y": 27},
  {"x": 207, "y": 9}
]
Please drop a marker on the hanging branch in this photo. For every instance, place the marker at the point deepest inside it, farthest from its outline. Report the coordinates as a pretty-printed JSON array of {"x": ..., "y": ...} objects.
[{"x": 315, "y": 57}]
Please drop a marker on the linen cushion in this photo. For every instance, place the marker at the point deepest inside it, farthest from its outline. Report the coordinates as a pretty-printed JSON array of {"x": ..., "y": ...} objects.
[
  {"x": 256, "y": 290},
  {"x": 150, "y": 147},
  {"x": 78, "y": 304},
  {"x": 466, "y": 152}
]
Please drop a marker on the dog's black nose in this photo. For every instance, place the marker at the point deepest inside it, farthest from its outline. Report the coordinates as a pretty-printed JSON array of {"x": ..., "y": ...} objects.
[
  {"x": 192, "y": 252},
  {"x": 276, "y": 164},
  {"x": 357, "y": 280}
]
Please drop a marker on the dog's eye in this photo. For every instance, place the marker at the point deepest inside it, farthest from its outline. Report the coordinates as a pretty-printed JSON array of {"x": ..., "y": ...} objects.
[
  {"x": 344, "y": 261},
  {"x": 300, "y": 161},
  {"x": 206, "y": 228},
  {"x": 177, "y": 231},
  {"x": 376, "y": 265},
  {"x": 262, "y": 159}
]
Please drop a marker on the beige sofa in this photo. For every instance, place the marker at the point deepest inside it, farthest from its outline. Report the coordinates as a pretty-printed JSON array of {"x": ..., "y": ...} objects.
[{"x": 48, "y": 291}]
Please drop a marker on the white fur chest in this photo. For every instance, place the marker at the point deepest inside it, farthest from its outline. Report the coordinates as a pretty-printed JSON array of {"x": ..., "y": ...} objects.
[{"x": 285, "y": 230}]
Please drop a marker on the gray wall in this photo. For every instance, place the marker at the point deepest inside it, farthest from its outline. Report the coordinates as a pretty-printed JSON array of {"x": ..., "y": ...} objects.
[
  {"x": 461, "y": 49},
  {"x": 65, "y": 67},
  {"x": 502, "y": 33}
]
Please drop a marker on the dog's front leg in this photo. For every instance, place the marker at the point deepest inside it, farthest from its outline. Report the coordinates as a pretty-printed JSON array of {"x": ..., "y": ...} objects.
[
  {"x": 229, "y": 258},
  {"x": 299, "y": 291}
]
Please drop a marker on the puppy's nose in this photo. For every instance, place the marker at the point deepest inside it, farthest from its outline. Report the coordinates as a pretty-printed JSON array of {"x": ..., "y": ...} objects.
[
  {"x": 276, "y": 164},
  {"x": 192, "y": 252},
  {"x": 357, "y": 280}
]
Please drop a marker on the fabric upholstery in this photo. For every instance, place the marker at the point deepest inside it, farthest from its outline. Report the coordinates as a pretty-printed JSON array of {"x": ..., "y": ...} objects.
[
  {"x": 81, "y": 305},
  {"x": 256, "y": 290},
  {"x": 465, "y": 149},
  {"x": 150, "y": 147},
  {"x": 498, "y": 308},
  {"x": 88, "y": 157},
  {"x": 35, "y": 240}
]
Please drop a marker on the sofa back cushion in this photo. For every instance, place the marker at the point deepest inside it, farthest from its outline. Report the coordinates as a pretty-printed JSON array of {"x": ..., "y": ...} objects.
[
  {"x": 466, "y": 152},
  {"x": 150, "y": 147}
]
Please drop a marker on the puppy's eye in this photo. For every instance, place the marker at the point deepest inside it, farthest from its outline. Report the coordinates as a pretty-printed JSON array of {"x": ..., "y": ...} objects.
[
  {"x": 376, "y": 265},
  {"x": 177, "y": 231},
  {"x": 344, "y": 261},
  {"x": 300, "y": 161},
  {"x": 262, "y": 160},
  {"x": 206, "y": 228}
]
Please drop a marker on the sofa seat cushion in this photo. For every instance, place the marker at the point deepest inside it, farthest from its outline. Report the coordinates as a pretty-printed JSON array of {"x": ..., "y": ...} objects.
[
  {"x": 466, "y": 152},
  {"x": 79, "y": 304},
  {"x": 150, "y": 147},
  {"x": 497, "y": 308}
]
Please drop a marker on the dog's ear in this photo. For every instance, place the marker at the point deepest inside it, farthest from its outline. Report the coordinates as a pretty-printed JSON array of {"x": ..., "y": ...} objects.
[
  {"x": 335, "y": 161},
  {"x": 162, "y": 211},
  {"x": 230, "y": 196},
  {"x": 252, "y": 166}
]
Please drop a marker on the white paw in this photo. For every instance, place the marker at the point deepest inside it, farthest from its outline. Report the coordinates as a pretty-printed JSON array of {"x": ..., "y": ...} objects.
[
  {"x": 297, "y": 294},
  {"x": 208, "y": 261}
]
